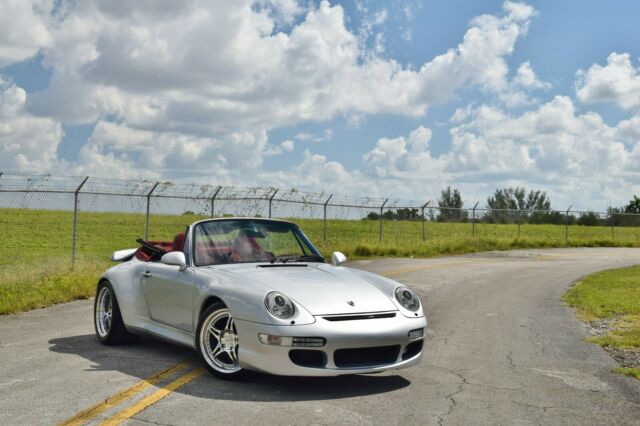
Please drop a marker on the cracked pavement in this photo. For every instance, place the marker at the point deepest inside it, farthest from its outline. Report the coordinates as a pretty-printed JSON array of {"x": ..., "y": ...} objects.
[{"x": 501, "y": 349}]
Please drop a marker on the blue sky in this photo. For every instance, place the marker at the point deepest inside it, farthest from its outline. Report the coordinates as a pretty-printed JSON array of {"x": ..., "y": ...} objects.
[
  {"x": 329, "y": 96},
  {"x": 564, "y": 37}
]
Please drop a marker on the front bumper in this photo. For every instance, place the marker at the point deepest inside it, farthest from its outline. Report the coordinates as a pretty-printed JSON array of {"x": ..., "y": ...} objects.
[{"x": 367, "y": 333}]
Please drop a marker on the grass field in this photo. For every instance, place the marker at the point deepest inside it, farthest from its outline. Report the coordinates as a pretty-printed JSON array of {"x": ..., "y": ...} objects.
[
  {"x": 35, "y": 245},
  {"x": 613, "y": 295}
]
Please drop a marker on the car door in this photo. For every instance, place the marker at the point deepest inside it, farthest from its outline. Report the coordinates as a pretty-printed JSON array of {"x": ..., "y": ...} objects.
[{"x": 169, "y": 294}]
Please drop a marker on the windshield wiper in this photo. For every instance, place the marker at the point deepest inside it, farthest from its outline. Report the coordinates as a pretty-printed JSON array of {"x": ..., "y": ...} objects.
[{"x": 303, "y": 258}]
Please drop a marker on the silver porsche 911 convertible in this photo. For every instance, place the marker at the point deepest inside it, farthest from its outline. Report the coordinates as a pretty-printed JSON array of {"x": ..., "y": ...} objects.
[{"x": 255, "y": 294}]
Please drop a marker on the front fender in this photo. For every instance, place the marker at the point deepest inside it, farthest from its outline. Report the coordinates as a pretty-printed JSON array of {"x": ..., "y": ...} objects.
[{"x": 244, "y": 297}]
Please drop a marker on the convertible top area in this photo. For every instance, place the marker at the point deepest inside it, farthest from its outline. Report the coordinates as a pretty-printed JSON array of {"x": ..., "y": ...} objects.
[
  {"x": 150, "y": 251},
  {"x": 233, "y": 240}
]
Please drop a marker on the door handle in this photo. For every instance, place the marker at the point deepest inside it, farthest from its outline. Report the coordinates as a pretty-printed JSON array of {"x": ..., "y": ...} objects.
[{"x": 147, "y": 274}]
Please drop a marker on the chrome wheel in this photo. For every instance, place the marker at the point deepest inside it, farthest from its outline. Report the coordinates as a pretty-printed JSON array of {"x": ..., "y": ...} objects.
[
  {"x": 219, "y": 342},
  {"x": 104, "y": 311}
]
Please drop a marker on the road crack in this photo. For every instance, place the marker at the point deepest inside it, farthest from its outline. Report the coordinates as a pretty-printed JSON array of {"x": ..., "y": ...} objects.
[
  {"x": 452, "y": 402},
  {"x": 510, "y": 363}
]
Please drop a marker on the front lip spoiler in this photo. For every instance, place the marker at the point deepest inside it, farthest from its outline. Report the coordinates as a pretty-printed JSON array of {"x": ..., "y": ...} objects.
[{"x": 299, "y": 371}]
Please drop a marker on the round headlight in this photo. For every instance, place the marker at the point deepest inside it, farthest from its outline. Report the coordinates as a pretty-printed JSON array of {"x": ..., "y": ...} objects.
[
  {"x": 279, "y": 305},
  {"x": 407, "y": 299}
]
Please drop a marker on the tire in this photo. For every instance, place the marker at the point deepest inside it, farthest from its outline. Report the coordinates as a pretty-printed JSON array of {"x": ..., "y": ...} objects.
[
  {"x": 109, "y": 327},
  {"x": 218, "y": 352}
]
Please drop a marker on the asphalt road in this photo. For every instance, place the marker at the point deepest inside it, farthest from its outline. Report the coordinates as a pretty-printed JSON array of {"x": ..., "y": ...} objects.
[{"x": 501, "y": 349}]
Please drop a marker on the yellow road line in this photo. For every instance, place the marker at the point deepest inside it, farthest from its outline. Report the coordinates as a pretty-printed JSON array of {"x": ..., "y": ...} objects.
[
  {"x": 145, "y": 402},
  {"x": 94, "y": 411}
]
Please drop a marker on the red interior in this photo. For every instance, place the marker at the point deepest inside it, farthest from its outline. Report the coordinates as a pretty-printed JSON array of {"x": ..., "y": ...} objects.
[
  {"x": 244, "y": 249},
  {"x": 176, "y": 245},
  {"x": 178, "y": 242},
  {"x": 214, "y": 252}
]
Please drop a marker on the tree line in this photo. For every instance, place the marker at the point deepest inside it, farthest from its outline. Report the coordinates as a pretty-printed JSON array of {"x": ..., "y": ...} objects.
[{"x": 514, "y": 205}]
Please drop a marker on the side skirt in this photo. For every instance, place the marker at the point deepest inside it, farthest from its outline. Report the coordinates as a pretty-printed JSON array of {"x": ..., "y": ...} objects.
[{"x": 166, "y": 333}]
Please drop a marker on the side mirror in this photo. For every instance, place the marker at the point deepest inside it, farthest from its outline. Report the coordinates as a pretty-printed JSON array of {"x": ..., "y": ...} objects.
[
  {"x": 338, "y": 258},
  {"x": 175, "y": 258}
]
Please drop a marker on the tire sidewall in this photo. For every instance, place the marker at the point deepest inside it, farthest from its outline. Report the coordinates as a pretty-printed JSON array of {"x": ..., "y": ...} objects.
[
  {"x": 118, "y": 333},
  {"x": 114, "y": 309}
]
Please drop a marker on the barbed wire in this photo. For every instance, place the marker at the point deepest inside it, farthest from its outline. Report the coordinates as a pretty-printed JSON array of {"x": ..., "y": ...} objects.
[{"x": 23, "y": 183}]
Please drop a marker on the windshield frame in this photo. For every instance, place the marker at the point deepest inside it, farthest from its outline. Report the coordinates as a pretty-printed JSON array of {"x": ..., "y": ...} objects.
[{"x": 298, "y": 234}]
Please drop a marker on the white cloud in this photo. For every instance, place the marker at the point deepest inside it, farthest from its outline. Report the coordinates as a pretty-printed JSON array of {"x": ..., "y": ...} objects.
[
  {"x": 132, "y": 153},
  {"x": 288, "y": 145},
  {"x": 284, "y": 11},
  {"x": 326, "y": 135},
  {"x": 27, "y": 143},
  {"x": 519, "y": 11},
  {"x": 25, "y": 28},
  {"x": 578, "y": 157},
  {"x": 403, "y": 157},
  {"x": 204, "y": 82},
  {"x": 192, "y": 89},
  {"x": 207, "y": 67},
  {"x": 629, "y": 130},
  {"x": 526, "y": 77},
  {"x": 315, "y": 173},
  {"x": 617, "y": 82},
  {"x": 518, "y": 92}
]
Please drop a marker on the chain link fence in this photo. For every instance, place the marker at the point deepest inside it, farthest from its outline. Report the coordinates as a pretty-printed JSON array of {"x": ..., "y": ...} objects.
[{"x": 56, "y": 221}]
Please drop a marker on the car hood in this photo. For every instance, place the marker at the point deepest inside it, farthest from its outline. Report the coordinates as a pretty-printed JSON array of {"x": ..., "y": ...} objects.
[{"x": 321, "y": 289}]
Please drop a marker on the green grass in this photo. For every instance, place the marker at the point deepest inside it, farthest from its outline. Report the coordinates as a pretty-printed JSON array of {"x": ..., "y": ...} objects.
[
  {"x": 35, "y": 246},
  {"x": 614, "y": 295},
  {"x": 633, "y": 372}
]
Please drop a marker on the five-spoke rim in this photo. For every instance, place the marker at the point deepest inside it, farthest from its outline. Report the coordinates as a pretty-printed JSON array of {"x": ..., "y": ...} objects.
[
  {"x": 104, "y": 311},
  {"x": 219, "y": 342}
]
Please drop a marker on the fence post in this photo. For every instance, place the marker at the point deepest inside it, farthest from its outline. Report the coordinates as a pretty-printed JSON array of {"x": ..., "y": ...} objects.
[
  {"x": 519, "y": 220},
  {"x": 473, "y": 219},
  {"x": 424, "y": 229},
  {"x": 324, "y": 219},
  {"x": 380, "y": 230},
  {"x": 146, "y": 225},
  {"x": 75, "y": 222},
  {"x": 271, "y": 200},
  {"x": 612, "y": 224},
  {"x": 213, "y": 199},
  {"x": 566, "y": 224}
]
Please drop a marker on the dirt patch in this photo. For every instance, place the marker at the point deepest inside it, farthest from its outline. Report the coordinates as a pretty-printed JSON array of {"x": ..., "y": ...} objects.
[{"x": 628, "y": 358}]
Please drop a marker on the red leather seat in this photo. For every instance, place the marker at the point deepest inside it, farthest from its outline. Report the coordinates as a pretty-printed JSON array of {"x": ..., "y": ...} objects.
[
  {"x": 209, "y": 253},
  {"x": 246, "y": 249},
  {"x": 178, "y": 242}
]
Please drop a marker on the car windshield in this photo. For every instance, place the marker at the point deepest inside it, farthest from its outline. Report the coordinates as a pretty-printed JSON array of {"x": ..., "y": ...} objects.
[{"x": 241, "y": 241}]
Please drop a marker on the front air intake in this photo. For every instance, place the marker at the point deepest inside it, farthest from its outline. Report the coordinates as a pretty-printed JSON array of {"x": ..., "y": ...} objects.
[
  {"x": 366, "y": 357},
  {"x": 308, "y": 358},
  {"x": 359, "y": 317}
]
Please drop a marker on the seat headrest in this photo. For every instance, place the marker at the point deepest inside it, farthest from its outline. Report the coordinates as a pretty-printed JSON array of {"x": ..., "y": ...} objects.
[{"x": 178, "y": 242}]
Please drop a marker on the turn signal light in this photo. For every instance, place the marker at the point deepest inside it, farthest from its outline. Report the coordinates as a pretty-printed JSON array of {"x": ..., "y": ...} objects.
[
  {"x": 297, "y": 342},
  {"x": 416, "y": 334}
]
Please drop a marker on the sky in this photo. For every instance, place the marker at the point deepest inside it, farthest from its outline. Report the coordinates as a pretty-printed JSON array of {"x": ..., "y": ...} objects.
[{"x": 395, "y": 98}]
